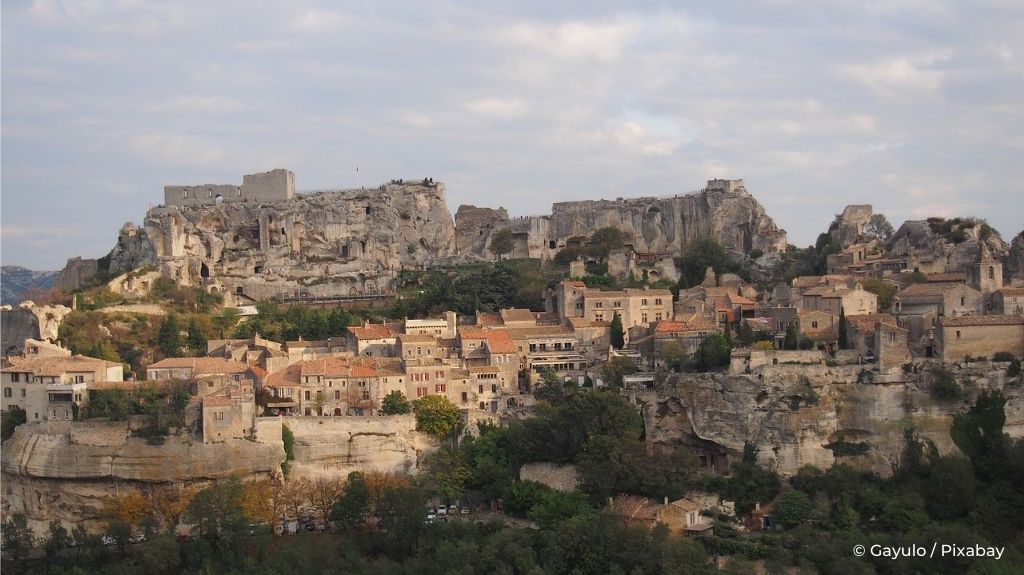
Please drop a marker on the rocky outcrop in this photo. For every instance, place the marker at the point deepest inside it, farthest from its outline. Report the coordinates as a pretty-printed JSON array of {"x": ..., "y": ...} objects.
[
  {"x": 334, "y": 447},
  {"x": 938, "y": 245},
  {"x": 792, "y": 414},
  {"x": 65, "y": 470},
  {"x": 1015, "y": 260},
  {"x": 326, "y": 243},
  {"x": 723, "y": 210},
  {"x": 75, "y": 273},
  {"x": 30, "y": 321},
  {"x": 849, "y": 226}
]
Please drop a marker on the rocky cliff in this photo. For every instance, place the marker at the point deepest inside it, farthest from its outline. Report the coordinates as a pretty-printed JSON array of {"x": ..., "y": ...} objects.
[
  {"x": 939, "y": 245},
  {"x": 791, "y": 413},
  {"x": 723, "y": 210},
  {"x": 331, "y": 243},
  {"x": 29, "y": 321},
  {"x": 65, "y": 470},
  {"x": 1015, "y": 260}
]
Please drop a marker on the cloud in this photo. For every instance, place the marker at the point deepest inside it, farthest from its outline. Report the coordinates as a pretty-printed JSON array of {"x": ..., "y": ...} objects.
[
  {"x": 499, "y": 108},
  {"x": 319, "y": 21},
  {"x": 597, "y": 41},
  {"x": 900, "y": 76}
]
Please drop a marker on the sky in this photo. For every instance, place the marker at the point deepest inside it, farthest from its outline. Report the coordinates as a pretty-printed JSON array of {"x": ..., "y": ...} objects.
[{"x": 913, "y": 106}]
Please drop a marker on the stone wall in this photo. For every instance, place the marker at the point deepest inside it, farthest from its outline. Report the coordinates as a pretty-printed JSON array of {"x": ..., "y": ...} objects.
[{"x": 555, "y": 476}]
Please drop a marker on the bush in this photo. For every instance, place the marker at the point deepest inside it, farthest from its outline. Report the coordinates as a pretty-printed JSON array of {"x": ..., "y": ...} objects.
[
  {"x": 793, "y": 508},
  {"x": 944, "y": 385},
  {"x": 10, "y": 420}
]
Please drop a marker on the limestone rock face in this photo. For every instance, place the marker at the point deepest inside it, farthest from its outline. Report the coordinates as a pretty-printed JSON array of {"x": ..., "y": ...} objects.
[
  {"x": 723, "y": 210},
  {"x": 334, "y": 447},
  {"x": 75, "y": 273},
  {"x": 936, "y": 253},
  {"x": 473, "y": 223},
  {"x": 790, "y": 413},
  {"x": 1015, "y": 260},
  {"x": 64, "y": 470},
  {"x": 325, "y": 243},
  {"x": 849, "y": 225},
  {"x": 30, "y": 321}
]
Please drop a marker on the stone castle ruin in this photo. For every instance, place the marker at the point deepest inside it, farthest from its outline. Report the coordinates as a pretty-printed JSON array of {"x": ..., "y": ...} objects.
[
  {"x": 262, "y": 240},
  {"x": 273, "y": 186}
]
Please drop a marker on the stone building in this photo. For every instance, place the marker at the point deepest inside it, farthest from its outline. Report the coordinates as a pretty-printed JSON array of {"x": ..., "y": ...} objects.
[
  {"x": 919, "y": 306},
  {"x": 372, "y": 340},
  {"x": 573, "y": 299},
  {"x": 958, "y": 338},
  {"x": 1008, "y": 301},
  {"x": 54, "y": 387},
  {"x": 273, "y": 186},
  {"x": 229, "y": 412},
  {"x": 192, "y": 367},
  {"x": 837, "y": 298}
]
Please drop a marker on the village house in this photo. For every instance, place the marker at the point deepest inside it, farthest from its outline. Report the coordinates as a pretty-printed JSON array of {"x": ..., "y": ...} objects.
[
  {"x": 837, "y": 298},
  {"x": 441, "y": 328},
  {"x": 918, "y": 307},
  {"x": 53, "y": 387},
  {"x": 192, "y": 367},
  {"x": 1008, "y": 301},
  {"x": 687, "y": 331},
  {"x": 372, "y": 340},
  {"x": 490, "y": 347},
  {"x": 860, "y": 331},
  {"x": 958, "y": 338},
  {"x": 548, "y": 347},
  {"x": 35, "y": 348},
  {"x": 573, "y": 299},
  {"x": 229, "y": 412}
]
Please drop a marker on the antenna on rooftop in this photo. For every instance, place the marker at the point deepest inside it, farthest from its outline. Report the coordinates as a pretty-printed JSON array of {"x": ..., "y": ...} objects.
[{"x": 358, "y": 182}]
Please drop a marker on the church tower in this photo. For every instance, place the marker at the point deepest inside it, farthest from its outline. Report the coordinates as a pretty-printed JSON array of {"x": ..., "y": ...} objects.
[{"x": 986, "y": 275}]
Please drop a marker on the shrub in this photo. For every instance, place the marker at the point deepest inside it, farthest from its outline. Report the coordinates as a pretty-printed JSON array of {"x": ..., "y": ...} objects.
[{"x": 944, "y": 385}]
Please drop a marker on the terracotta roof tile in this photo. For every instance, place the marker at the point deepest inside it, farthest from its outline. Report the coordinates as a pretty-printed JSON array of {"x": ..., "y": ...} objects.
[{"x": 975, "y": 320}]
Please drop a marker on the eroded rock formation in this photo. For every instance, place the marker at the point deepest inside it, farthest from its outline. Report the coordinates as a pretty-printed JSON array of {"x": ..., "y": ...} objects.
[
  {"x": 939, "y": 252},
  {"x": 723, "y": 210},
  {"x": 790, "y": 413}
]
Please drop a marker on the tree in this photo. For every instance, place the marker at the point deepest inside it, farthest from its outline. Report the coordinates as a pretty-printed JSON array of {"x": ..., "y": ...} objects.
[
  {"x": 17, "y": 537},
  {"x": 501, "y": 242},
  {"x": 793, "y": 508},
  {"x": 843, "y": 341},
  {"x": 58, "y": 541},
  {"x": 352, "y": 508},
  {"x": 395, "y": 403},
  {"x": 616, "y": 368},
  {"x": 713, "y": 352},
  {"x": 979, "y": 433},
  {"x": 878, "y": 227},
  {"x": 550, "y": 389},
  {"x": 324, "y": 493},
  {"x": 616, "y": 333},
  {"x": 884, "y": 290},
  {"x": 11, "y": 420},
  {"x": 673, "y": 355},
  {"x": 436, "y": 416},
  {"x": 604, "y": 241},
  {"x": 792, "y": 340},
  {"x": 401, "y": 513},
  {"x": 196, "y": 338},
  {"x": 169, "y": 338}
]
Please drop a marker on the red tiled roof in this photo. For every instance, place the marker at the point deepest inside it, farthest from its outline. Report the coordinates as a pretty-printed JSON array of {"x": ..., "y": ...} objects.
[
  {"x": 371, "y": 331},
  {"x": 201, "y": 365},
  {"x": 976, "y": 320}
]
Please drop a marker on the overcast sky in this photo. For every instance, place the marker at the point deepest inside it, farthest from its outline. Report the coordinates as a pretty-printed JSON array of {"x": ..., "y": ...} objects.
[{"x": 916, "y": 107}]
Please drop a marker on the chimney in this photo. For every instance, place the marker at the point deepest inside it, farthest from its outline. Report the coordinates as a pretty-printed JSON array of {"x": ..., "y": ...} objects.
[{"x": 757, "y": 506}]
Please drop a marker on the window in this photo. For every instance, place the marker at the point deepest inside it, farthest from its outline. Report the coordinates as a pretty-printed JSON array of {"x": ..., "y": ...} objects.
[
  {"x": 643, "y": 317},
  {"x": 494, "y": 388},
  {"x": 15, "y": 377},
  {"x": 657, "y": 301},
  {"x": 366, "y": 395},
  {"x": 209, "y": 384},
  {"x": 465, "y": 397},
  {"x": 421, "y": 391},
  {"x": 962, "y": 299},
  {"x": 439, "y": 374},
  {"x": 892, "y": 337},
  {"x": 958, "y": 334},
  {"x": 307, "y": 395},
  {"x": 617, "y": 304},
  {"x": 657, "y": 316},
  {"x": 481, "y": 390},
  {"x": 439, "y": 388},
  {"x": 8, "y": 392},
  {"x": 643, "y": 301},
  {"x": 814, "y": 324},
  {"x": 337, "y": 396},
  {"x": 598, "y": 317},
  {"x": 419, "y": 351},
  {"x": 991, "y": 272},
  {"x": 599, "y": 304}
]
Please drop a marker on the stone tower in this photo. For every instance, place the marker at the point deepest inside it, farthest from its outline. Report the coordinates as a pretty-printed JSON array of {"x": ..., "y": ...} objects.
[{"x": 986, "y": 275}]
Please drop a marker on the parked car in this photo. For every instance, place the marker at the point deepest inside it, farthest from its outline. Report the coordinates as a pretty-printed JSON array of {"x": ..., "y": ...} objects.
[
  {"x": 442, "y": 509},
  {"x": 137, "y": 538},
  {"x": 464, "y": 510},
  {"x": 108, "y": 540}
]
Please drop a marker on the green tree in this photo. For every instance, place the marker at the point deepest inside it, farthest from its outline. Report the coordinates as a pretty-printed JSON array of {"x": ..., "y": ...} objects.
[
  {"x": 979, "y": 433},
  {"x": 9, "y": 420},
  {"x": 17, "y": 537},
  {"x": 58, "y": 542},
  {"x": 616, "y": 333},
  {"x": 401, "y": 513},
  {"x": 501, "y": 242},
  {"x": 793, "y": 508},
  {"x": 878, "y": 227},
  {"x": 169, "y": 338},
  {"x": 673, "y": 355},
  {"x": 701, "y": 255},
  {"x": 436, "y": 416},
  {"x": 196, "y": 339},
  {"x": 884, "y": 290},
  {"x": 550, "y": 389},
  {"x": 713, "y": 352},
  {"x": 605, "y": 241},
  {"x": 353, "y": 507},
  {"x": 950, "y": 488},
  {"x": 843, "y": 341},
  {"x": 792, "y": 340},
  {"x": 618, "y": 367},
  {"x": 395, "y": 403}
]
